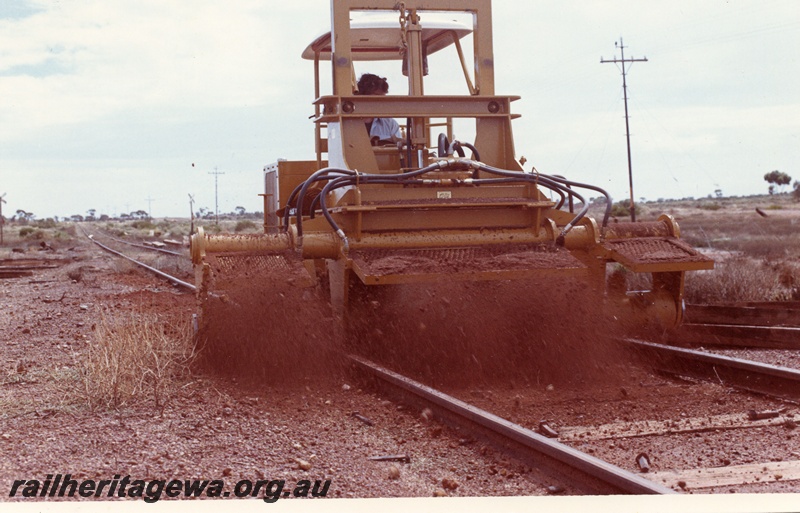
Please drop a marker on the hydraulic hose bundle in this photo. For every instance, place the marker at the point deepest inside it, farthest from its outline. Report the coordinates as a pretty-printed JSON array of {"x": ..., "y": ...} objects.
[{"x": 336, "y": 178}]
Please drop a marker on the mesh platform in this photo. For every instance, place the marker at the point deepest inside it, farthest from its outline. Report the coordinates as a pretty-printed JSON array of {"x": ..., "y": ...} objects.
[
  {"x": 468, "y": 263},
  {"x": 657, "y": 254}
]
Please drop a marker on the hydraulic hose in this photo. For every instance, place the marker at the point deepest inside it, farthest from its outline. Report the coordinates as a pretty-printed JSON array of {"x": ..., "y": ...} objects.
[
  {"x": 592, "y": 188},
  {"x": 443, "y": 146},
  {"x": 548, "y": 181},
  {"x": 475, "y": 154},
  {"x": 319, "y": 175},
  {"x": 336, "y": 178}
]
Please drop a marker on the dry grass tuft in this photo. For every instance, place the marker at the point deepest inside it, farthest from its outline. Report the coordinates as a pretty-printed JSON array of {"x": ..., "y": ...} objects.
[
  {"x": 744, "y": 279},
  {"x": 136, "y": 357},
  {"x": 757, "y": 258}
]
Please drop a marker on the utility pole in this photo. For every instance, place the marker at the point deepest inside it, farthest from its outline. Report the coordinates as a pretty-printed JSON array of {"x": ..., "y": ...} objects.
[
  {"x": 622, "y": 61},
  {"x": 191, "y": 214},
  {"x": 216, "y": 192},
  {"x": 149, "y": 201},
  {"x": 2, "y": 219}
]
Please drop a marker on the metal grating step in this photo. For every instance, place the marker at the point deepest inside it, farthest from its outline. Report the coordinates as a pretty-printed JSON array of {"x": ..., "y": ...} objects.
[{"x": 657, "y": 254}]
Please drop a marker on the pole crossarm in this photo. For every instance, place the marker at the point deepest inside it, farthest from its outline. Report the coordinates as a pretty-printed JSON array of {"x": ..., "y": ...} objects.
[{"x": 616, "y": 61}]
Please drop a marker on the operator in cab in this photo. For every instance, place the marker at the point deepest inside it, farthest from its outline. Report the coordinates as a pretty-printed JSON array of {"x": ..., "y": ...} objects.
[{"x": 381, "y": 130}]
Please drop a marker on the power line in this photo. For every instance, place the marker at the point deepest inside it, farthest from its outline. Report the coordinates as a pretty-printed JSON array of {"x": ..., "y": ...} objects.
[{"x": 622, "y": 61}]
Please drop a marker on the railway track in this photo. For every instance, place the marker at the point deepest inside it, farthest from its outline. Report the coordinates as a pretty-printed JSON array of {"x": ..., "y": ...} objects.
[
  {"x": 583, "y": 472},
  {"x": 141, "y": 247},
  {"x": 624, "y": 451},
  {"x": 597, "y": 457},
  {"x": 147, "y": 247}
]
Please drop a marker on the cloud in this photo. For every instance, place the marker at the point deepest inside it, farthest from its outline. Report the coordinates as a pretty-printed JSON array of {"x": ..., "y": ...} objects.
[
  {"x": 121, "y": 94},
  {"x": 80, "y": 62}
]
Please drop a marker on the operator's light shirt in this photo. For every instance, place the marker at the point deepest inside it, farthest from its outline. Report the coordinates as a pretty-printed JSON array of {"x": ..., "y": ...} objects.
[{"x": 384, "y": 129}]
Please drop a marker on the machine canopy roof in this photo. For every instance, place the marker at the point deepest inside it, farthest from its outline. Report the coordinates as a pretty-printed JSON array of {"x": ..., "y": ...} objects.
[{"x": 380, "y": 39}]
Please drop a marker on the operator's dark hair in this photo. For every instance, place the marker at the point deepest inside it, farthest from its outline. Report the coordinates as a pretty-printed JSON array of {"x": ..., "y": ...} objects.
[{"x": 372, "y": 84}]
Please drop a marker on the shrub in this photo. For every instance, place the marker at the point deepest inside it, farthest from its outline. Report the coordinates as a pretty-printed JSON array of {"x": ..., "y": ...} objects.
[
  {"x": 31, "y": 233},
  {"x": 178, "y": 231},
  {"x": 143, "y": 224},
  {"x": 622, "y": 209},
  {"x": 741, "y": 279},
  {"x": 244, "y": 225}
]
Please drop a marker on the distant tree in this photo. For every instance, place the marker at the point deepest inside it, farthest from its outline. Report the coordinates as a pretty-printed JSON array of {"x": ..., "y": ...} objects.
[
  {"x": 25, "y": 217},
  {"x": 778, "y": 179},
  {"x": 104, "y": 217},
  {"x": 240, "y": 211},
  {"x": 718, "y": 193},
  {"x": 45, "y": 223},
  {"x": 796, "y": 191},
  {"x": 90, "y": 214},
  {"x": 77, "y": 218}
]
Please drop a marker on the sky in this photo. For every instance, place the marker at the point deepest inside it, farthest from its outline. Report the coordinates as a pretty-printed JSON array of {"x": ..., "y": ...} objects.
[{"x": 122, "y": 105}]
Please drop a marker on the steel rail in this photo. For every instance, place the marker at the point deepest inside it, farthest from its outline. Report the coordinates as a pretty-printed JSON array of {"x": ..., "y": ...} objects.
[
  {"x": 171, "y": 278},
  {"x": 792, "y": 304},
  {"x": 772, "y": 380},
  {"x": 778, "y": 314},
  {"x": 739, "y": 335},
  {"x": 585, "y": 472}
]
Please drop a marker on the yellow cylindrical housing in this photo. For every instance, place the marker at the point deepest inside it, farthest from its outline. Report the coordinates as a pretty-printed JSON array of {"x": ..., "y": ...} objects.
[
  {"x": 664, "y": 227},
  {"x": 202, "y": 243},
  {"x": 442, "y": 239}
]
